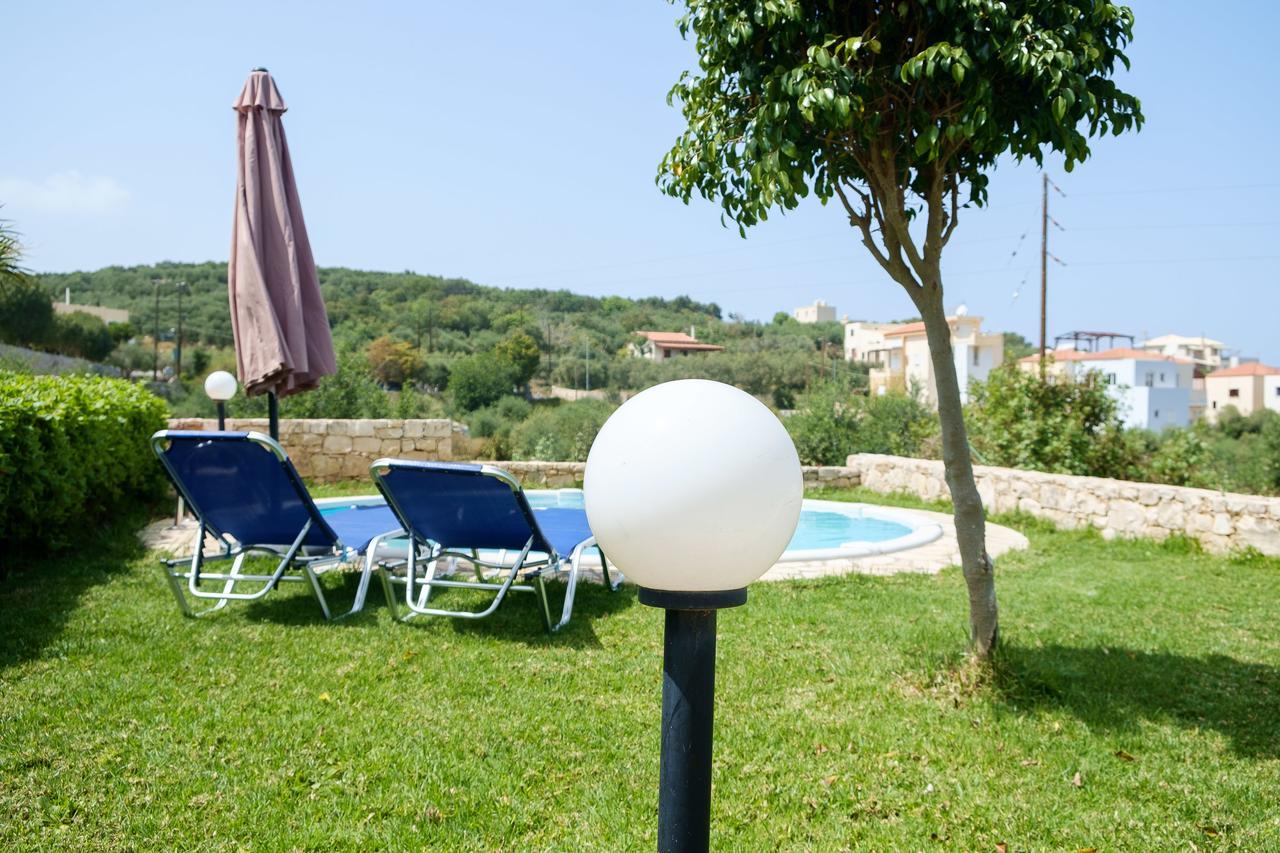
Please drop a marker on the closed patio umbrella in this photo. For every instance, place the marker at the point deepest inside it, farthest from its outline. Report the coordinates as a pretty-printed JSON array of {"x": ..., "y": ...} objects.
[{"x": 283, "y": 344}]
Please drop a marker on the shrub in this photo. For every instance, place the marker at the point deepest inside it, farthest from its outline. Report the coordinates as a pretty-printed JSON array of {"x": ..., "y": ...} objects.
[
  {"x": 26, "y": 313},
  {"x": 823, "y": 428},
  {"x": 82, "y": 336},
  {"x": 73, "y": 449},
  {"x": 561, "y": 433},
  {"x": 1062, "y": 426},
  {"x": 478, "y": 380},
  {"x": 1179, "y": 459},
  {"x": 834, "y": 422},
  {"x": 349, "y": 393}
]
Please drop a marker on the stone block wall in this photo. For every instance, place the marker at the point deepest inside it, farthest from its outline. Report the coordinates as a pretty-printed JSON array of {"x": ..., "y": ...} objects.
[
  {"x": 327, "y": 450},
  {"x": 1221, "y": 521},
  {"x": 554, "y": 475}
]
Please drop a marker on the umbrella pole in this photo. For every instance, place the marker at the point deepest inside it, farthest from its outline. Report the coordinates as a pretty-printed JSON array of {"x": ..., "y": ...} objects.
[{"x": 273, "y": 415}]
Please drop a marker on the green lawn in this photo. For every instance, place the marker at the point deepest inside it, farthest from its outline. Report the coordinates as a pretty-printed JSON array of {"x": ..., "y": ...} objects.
[{"x": 1135, "y": 705}]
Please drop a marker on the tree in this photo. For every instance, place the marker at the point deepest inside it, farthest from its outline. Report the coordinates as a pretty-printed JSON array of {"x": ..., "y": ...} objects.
[
  {"x": 521, "y": 350},
  {"x": 1063, "y": 426},
  {"x": 899, "y": 109},
  {"x": 478, "y": 380},
  {"x": 82, "y": 335},
  {"x": 26, "y": 313},
  {"x": 392, "y": 362}
]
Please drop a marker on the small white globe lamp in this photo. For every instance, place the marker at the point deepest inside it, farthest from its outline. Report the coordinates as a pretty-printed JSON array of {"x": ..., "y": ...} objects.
[
  {"x": 693, "y": 489},
  {"x": 221, "y": 387}
]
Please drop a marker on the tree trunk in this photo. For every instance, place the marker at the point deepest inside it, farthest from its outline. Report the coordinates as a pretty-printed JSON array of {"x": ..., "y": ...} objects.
[{"x": 979, "y": 573}]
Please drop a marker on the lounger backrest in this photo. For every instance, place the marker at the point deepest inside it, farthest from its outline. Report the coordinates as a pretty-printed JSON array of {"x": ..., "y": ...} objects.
[
  {"x": 241, "y": 484},
  {"x": 458, "y": 506}
]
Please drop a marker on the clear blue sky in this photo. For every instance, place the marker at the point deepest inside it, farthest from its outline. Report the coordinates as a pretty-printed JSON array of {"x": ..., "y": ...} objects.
[{"x": 516, "y": 144}]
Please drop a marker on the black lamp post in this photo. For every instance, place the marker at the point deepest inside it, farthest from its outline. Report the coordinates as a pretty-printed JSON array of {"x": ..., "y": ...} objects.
[{"x": 221, "y": 387}]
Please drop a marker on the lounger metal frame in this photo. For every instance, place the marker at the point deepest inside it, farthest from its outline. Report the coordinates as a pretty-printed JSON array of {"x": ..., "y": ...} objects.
[
  {"x": 289, "y": 556},
  {"x": 417, "y": 589}
]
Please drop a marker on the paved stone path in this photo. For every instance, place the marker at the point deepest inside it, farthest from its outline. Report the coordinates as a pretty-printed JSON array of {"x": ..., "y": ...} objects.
[{"x": 926, "y": 559}]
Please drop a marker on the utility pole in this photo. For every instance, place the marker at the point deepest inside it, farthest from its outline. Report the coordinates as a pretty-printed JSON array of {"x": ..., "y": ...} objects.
[
  {"x": 177, "y": 352},
  {"x": 1044, "y": 269},
  {"x": 155, "y": 333}
]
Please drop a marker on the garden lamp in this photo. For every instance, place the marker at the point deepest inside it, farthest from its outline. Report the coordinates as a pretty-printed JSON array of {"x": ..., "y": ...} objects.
[
  {"x": 693, "y": 489},
  {"x": 221, "y": 387}
]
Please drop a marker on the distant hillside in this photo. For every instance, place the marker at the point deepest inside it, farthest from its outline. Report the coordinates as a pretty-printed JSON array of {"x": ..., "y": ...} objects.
[{"x": 438, "y": 314}]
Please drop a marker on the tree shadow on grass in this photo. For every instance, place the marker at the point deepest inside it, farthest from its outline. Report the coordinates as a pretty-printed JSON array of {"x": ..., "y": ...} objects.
[
  {"x": 516, "y": 620},
  {"x": 1114, "y": 688},
  {"x": 41, "y": 588}
]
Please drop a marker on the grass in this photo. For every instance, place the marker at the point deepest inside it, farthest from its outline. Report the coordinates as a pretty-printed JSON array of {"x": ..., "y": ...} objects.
[{"x": 1135, "y": 704}]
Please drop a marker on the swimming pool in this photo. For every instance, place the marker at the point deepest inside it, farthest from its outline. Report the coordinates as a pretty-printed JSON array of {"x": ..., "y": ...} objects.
[{"x": 828, "y": 530}]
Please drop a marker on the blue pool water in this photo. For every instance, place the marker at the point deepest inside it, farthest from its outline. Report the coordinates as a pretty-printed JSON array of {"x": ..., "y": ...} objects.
[{"x": 817, "y": 528}]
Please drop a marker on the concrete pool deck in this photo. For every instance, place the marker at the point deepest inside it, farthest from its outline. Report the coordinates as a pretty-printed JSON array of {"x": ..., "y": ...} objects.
[{"x": 930, "y": 558}]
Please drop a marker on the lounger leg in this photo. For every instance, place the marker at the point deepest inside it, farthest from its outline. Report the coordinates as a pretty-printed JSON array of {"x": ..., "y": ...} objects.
[
  {"x": 611, "y": 584},
  {"x": 366, "y": 574},
  {"x": 544, "y": 606},
  {"x": 175, "y": 585},
  {"x": 389, "y": 592},
  {"x": 315, "y": 587}
]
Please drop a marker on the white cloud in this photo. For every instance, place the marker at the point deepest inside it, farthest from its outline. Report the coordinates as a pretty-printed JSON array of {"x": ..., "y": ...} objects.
[{"x": 64, "y": 192}]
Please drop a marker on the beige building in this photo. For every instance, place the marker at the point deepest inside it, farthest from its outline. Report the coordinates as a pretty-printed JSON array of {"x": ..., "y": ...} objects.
[
  {"x": 899, "y": 354},
  {"x": 660, "y": 346},
  {"x": 1248, "y": 387},
  {"x": 106, "y": 315},
  {"x": 818, "y": 312},
  {"x": 1204, "y": 353}
]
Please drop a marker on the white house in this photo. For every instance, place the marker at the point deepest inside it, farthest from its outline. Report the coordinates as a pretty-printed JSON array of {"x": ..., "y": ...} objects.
[
  {"x": 899, "y": 354},
  {"x": 1154, "y": 391},
  {"x": 660, "y": 346},
  {"x": 818, "y": 312},
  {"x": 1204, "y": 353}
]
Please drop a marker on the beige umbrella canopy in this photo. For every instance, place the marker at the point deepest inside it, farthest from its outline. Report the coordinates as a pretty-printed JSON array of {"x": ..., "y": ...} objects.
[{"x": 283, "y": 344}]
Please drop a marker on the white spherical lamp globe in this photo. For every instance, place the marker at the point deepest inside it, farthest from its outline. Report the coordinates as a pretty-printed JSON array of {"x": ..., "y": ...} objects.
[
  {"x": 220, "y": 386},
  {"x": 693, "y": 486}
]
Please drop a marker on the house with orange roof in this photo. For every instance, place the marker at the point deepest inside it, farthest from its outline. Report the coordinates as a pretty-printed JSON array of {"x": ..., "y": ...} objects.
[
  {"x": 1154, "y": 391},
  {"x": 899, "y": 354},
  {"x": 660, "y": 346},
  {"x": 1248, "y": 387}
]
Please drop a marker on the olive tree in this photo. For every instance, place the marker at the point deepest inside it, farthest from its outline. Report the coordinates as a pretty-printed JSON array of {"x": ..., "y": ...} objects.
[{"x": 899, "y": 109}]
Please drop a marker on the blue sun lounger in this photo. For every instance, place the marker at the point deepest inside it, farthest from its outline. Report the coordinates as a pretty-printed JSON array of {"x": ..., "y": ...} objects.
[
  {"x": 246, "y": 494},
  {"x": 454, "y": 511}
]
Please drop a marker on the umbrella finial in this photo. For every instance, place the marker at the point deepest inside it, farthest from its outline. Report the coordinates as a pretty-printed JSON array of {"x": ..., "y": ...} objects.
[{"x": 263, "y": 70}]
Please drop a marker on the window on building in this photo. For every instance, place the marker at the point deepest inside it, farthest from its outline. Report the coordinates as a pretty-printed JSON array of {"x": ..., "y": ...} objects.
[
  {"x": 976, "y": 354},
  {"x": 1150, "y": 379},
  {"x": 1111, "y": 379},
  {"x": 1234, "y": 392},
  {"x": 1157, "y": 414}
]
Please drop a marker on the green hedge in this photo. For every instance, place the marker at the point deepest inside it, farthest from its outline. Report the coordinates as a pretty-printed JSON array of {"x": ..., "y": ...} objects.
[{"x": 73, "y": 451}]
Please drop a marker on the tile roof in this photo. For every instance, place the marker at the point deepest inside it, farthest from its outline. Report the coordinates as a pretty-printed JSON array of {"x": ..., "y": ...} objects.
[
  {"x": 679, "y": 340},
  {"x": 1253, "y": 368},
  {"x": 913, "y": 328},
  {"x": 1117, "y": 354}
]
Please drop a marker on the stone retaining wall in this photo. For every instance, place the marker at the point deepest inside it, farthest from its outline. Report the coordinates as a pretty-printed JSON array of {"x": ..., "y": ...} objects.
[
  {"x": 327, "y": 450},
  {"x": 1221, "y": 521},
  {"x": 554, "y": 475}
]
